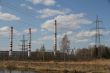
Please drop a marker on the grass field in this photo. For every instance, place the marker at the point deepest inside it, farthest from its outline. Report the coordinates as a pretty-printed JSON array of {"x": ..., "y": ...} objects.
[{"x": 96, "y": 66}]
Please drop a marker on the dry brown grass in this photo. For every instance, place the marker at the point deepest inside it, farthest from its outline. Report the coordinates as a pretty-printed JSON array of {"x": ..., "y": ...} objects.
[{"x": 101, "y": 65}]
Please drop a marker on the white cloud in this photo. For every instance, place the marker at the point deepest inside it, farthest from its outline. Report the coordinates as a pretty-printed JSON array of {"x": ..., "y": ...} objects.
[
  {"x": 22, "y": 5},
  {"x": 106, "y": 32},
  {"x": 45, "y": 13},
  {"x": 52, "y": 37},
  {"x": 66, "y": 22},
  {"x": 91, "y": 44},
  {"x": 85, "y": 34},
  {"x": 74, "y": 37},
  {"x": 44, "y": 2},
  {"x": 48, "y": 37},
  {"x": 82, "y": 40},
  {"x": 42, "y": 30},
  {"x": 16, "y": 33},
  {"x": 27, "y": 6},
  {"x": 33, "y": 30},
  {"x": 37, "y": 42},
  {"x": 89, "y": 34},
  {"x": 8, "y": 17},
  {"x": 5, "y": 31}
]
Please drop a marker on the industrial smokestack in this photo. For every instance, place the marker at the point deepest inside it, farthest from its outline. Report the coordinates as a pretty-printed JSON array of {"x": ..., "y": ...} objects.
[
  {"x": 55, "y": 48},
  {"x": 11, "y": 42},
  {"x": 29, "y": 49}
]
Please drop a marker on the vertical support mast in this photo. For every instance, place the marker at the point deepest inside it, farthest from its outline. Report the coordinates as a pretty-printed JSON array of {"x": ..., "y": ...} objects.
[
  {"x": 29, "y": 50},
  {"x": 11, "y": 42}
]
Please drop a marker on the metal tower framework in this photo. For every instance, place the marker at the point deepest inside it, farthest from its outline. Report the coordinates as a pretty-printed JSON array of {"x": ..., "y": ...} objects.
[
  {"x": 98, "y": 32},
  {"x": 24, "y": 46}
]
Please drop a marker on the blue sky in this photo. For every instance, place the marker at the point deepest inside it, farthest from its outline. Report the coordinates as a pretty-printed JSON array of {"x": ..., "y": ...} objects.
[{"x": 74, "y": 18}]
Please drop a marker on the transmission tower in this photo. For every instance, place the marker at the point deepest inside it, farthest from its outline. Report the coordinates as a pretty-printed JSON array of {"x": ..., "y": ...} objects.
[
  {"x": 11, "y": 42},
  {"x": 98, "y": 49},
  {"x": 98, "y": 32},
  {"x": 24, "y": 46}
]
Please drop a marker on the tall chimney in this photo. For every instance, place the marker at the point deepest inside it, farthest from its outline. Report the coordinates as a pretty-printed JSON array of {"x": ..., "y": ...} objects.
[
  {"x": 55, "y": 49},
  {"x": 29, "y": 50},
  {"x": 11, "y": 42}
]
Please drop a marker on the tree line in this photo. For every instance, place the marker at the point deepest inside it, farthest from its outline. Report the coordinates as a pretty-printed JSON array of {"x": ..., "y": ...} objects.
[{"x": 65, "y": 53}]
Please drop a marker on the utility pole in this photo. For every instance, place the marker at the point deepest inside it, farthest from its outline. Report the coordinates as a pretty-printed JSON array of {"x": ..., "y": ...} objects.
[
  {"x": 55, "y": 48},
  {"x": 29, "y": 50},
  {"x": 11, "y": 42}
]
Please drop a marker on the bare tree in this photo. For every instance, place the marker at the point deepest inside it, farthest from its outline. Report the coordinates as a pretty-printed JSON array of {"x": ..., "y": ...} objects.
[{"x": 65, "y": 44}]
